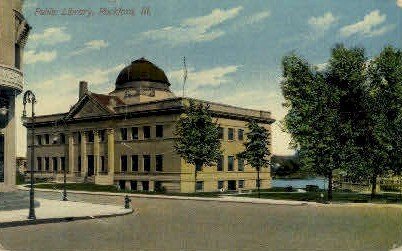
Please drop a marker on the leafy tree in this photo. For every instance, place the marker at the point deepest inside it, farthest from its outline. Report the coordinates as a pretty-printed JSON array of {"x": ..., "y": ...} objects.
[
  {"x": 257, "y": 150},
  {"x": 326, "y": 113},
  {"x": 383, "y": 146},
  {"x": 197, "y": 138}
]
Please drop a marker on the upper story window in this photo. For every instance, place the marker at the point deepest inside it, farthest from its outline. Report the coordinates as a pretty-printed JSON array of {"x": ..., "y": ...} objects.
[
  {"x": 159, "y": 163},
  {"x": 134, "y": 132},
  {"x": 147, "y": 132},
  {"x": 147, "y": 163},
  {"x": 102, "y": 135},
  {"x": 123, "y": 163},
  {"x": 62, "y": 138},
  {"x": 91, "y": 136},
  {"x": 134, "y": 163},
  {"x": 220, "y": 133},
  {"x": 240, "y": 164},
  {"x": 230, "y": 133},
  {"x": 123, "y": 132},
  {"x": 47, "y": 139},
  {"x": 219, "y": 166},
  {"x": 39, "y": 139},
  {"x": 240, "y": 134},
  {"x": 230, "y": 163},
  {"x": 159, "y": 131}
]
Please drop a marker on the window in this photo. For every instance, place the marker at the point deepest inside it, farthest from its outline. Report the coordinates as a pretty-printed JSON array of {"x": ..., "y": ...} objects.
[
  {"x": 219, "y": 167},
  {"x": 38, "y": 140},
  {"x": 102, "y": 134},
  {"x": 145, "y": 185},
  {"x": 159, "y": 163},
  {"x": 240, "y": 134},
  {"x": 79, "y": 137},
  {"x": 55, "y": 164},
  {"x": 241, "y": 183},
  {"x": 79, "y": 164},
  {"x": 102, "y": 164},
  {"x": 123, "y": 163},
  {"x": 240, "y": 164},
  {"x": 123, "y": 133},
  {"x": 199, "y": 186},
  {"x": 220, "y": 184},
  {"x": 47, "y": 139},
  {"x": 62, "y": 138},
  {"x": 147, "y": 132},
  {"x": 159, "y": 131},
  {"x": 47, "y": 163},
  {"x": 158, "y": 186},
  {"x": 134, "y": 132},
  {"x": 54, "y": 139},
  {"x": 147, "y": 163},
  {"x": 91, "y": 136},
  {"x": 230, "y": 133},
  {"x": 63, "y": 163},
  {"x": 230, "y": 163},
  {"x": 133, "y": 185},
  {"x": 134, "y": 163},
  {"x": 39, "y": 163},
  {"x": 17, "y": 56},
  {"x": 220, "y": 132}
]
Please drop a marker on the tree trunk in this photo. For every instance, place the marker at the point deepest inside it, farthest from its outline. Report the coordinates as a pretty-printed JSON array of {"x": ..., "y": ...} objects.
[
  {"x": 197, "y": 167},
  {"x": 258, "y": 182},
  {"x": 373, "y": 185},
  {"x": 329, "y": 186}
]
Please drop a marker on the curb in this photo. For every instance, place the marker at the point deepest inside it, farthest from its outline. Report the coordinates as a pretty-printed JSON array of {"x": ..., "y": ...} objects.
[
  {"x": 147, "y": 196},
  {"x": 58, "y": 220}
]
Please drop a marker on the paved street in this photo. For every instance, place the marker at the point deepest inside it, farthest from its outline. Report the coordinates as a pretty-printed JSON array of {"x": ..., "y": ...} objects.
[{"x": 159, "y": 224}]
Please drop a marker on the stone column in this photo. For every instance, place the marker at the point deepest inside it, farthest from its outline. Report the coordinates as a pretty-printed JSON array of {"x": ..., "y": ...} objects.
[
  {"x": 96, "y": 152},
  {"x": 151, "y": 186},
  {"x": 71, "y": 154},
  {"x": 110, "y": 151},
  {"x": 10, "y": 142},
  {"x": 84, "y": 158}
]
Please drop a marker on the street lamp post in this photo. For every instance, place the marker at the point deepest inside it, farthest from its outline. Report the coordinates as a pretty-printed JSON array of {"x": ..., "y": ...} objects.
[
  {"x": 29, "y": 97},
  {"x": 64, "y": 196}
]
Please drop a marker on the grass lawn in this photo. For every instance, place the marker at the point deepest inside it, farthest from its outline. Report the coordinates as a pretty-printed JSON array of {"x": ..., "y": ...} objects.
[{"x": 337, "y": 197}]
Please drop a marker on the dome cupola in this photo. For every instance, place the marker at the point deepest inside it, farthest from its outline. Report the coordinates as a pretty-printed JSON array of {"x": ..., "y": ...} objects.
[{"x": 142, "y": 73}]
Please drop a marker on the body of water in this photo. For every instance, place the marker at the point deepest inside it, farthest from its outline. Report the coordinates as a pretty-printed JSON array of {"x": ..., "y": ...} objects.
[{"x": 300, "y": 183}]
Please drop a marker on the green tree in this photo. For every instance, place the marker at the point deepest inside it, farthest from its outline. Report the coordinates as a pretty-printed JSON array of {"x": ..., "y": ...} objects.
[
  {"x": 197, "y": 137},
  {"x": 327, "y": 118},
  {"x": 257, "y": 151},
  {"x": 383, "y": 147}
]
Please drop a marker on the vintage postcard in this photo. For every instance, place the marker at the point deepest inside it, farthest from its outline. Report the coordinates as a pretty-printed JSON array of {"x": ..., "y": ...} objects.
[{"x": 200, "y": 125}]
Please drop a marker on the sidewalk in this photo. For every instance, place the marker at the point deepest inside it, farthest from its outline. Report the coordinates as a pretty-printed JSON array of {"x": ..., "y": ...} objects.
[
  {"x": 175, "y": 197},
  {"x": 59, "y": 211}
]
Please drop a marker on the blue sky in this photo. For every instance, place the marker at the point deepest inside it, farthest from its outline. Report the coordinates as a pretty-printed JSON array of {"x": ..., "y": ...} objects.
[{"x": 233, "y": 48}]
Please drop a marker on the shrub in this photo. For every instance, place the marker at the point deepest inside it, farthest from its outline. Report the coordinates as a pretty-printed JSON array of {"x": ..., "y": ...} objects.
[
  {"x": 288, "y": 189},
  {"x": 389, "y": 188}
]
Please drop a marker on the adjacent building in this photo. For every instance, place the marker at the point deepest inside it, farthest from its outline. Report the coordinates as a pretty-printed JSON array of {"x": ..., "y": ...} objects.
[
  {"x": 126, "y": 138},
  {"x": 14, "y": 31}
]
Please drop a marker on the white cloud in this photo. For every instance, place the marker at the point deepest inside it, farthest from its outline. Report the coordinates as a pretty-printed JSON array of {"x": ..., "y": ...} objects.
[
  {"x": 399, "y": 3},
  {"x": 209, "y": 77},
  {"x": 197, "y": 29},
  {"x": 33, "y": 56},
  {"x": 90, "y": 46},
  {"x": 50, "y": 36},
  {"x": 369, "y": 26},
  {"x": 322, "y": 66},
  {"x": 322, "y": 23}
]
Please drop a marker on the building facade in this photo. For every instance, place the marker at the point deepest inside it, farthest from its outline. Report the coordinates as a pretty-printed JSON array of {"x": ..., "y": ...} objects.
[
  {"x": 14, "y": 32},
  {"x": 126, "y": 138}
]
